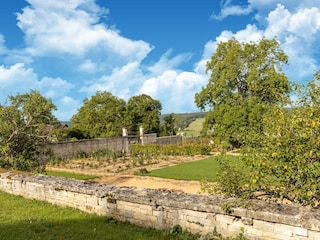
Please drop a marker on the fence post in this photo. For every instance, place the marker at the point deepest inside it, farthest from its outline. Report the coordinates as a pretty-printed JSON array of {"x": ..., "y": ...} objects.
[
  {"x": 125, "y": 140},
  {"x": 142, "y": 135}
]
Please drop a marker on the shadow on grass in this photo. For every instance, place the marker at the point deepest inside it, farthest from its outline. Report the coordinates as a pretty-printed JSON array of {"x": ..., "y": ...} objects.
[{"x": 92, "y": 228}]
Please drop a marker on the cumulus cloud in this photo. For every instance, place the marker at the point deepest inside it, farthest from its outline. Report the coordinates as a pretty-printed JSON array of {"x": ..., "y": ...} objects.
[
  {"x": 175, "y": 90},
  {"x": 294, "y": 24},
  {"x": 96, "y": 57},
  {"x": 123, "y": 82},
  {"x": 19, "y": 79},
  {"x": 16, "y": 77},
  {"x": 73, "y": 27}
]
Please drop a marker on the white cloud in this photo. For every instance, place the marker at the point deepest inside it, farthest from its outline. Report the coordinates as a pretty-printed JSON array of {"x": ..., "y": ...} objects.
[
  {"x": 54, "y": 88},
  {"x": 166, "y": 62},
  {"x": 296, "y": 27},
  {"x": 72, "y": 27},
  {"x": 16, "y": 77},
  {"x": 70, "y": 108},
  {"x": 88, "y": 66},
  {"x": 175, "y": 90},
  {"x": 123, "y": 82},
  {"x": 228, "y": 9},
  {"x": 250, "y": 34},
  {"x": 3, "y": 48},
  {"x": 19, "y": 79}
]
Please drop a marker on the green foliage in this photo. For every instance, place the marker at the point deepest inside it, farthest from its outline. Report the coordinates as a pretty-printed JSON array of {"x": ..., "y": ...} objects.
[
  {"x": 26, "y": 123},
  {"x": 169, "y": 126},
  {"x": 143, "y": 110},
  {"x": 231, "y": 178},
  {"x": 100, "y": 116},
  {"x": 188, "y": 148},
  {"x": 289, "y": 151},
  {"x": 246, "y": 79}
]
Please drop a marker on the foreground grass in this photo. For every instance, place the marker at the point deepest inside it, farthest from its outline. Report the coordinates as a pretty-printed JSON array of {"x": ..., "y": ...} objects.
[
  {"x": 207, "y": 168},
  {"x": 22, "y": 219},
  {"x": 70, "y": 175},
  {"x": 29, "y": 219}
]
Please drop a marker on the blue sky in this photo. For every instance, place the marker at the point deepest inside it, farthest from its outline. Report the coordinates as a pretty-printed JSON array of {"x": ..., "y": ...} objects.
[{"x": 70, "y": 49}]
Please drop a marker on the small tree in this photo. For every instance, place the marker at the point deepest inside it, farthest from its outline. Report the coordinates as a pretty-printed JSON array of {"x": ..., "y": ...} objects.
[
  {"x": 26, "y": 123},
  {"x": 169, "y": 126}
]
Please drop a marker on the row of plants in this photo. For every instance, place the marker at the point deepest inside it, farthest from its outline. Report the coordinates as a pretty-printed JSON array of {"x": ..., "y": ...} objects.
[{"x": 186, "y": 148}]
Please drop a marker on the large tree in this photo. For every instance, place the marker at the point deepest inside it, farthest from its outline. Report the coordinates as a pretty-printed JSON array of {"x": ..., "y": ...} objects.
[
  {"x": 143, "y": 110},
  {"x": 100, "y": 116},
  {"x": 26, "y": 122},
  {"x": 246, "y": 78}
]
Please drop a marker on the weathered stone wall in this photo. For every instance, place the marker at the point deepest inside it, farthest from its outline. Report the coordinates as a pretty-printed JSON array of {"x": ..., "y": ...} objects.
[
  {"x": 164, "y": 209},
  {"x": 169, "y": 140},
  {"x": 71, "y": 149}
]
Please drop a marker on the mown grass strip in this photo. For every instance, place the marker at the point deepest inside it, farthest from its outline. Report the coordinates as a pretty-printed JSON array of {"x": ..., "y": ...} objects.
[
  {"x": 207, "y": 168},
  {"x": 77, "y": 176},
  {"x": 22, "y": 219}
]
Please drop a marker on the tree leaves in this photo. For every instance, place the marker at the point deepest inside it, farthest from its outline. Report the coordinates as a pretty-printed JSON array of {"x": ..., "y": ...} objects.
[
  {"x": 25, "y": 123},
  {"x": 245, "y": 79}
]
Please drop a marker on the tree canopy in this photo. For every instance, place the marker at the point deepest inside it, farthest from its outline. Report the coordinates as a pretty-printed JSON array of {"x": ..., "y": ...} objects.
[
  {"x": 289, "y": 149},
  {"x": 245, "y": 79},
  {"x": 26, "y": 122},
  {"x": 143, "y": 110},
  {"x": 169, "y": 126},
  {"x": 100, "y": 116}
]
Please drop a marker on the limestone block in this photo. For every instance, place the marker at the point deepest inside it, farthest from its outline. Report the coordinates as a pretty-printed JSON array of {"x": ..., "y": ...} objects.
[
  {"x": 284, "y": 230},
  {"x": 264, "y": 226},
  {"x": 313, "y": 235},
  {"x": 224, "y": 219},
  {"x": 301, "y": 232}
]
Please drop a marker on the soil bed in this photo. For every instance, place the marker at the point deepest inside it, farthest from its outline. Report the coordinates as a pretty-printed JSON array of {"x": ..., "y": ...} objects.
[{"x": 121, "y": 174}]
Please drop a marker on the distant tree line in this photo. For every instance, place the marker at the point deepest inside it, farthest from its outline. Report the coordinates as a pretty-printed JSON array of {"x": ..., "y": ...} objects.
[{"x": 27, "y": 122}]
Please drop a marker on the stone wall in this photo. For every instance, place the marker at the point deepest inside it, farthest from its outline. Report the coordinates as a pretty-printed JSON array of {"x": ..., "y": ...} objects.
[
  {"x": 72, "y": 149},
  {"x": 169, "y": 140},
  {"x": 164, "y": 209}
]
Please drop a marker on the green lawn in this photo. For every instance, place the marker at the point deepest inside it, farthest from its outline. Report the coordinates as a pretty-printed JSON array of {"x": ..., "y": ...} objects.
[
  {"x": 22, "y": 219},
  {"x": 194, "y": 129},
  {"x": 206, "y": 168},
  {"x": 70, "y": 175}
]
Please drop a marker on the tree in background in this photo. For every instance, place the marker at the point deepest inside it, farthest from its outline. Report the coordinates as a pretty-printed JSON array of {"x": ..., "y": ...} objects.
[
  {"x": 26, "y": 122},
  {"x": 100, "y": 116},
  {"x": 169, "y": 127},
  {"x": 143, "y": 110},
  {"x": 246, "y": 79}
]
